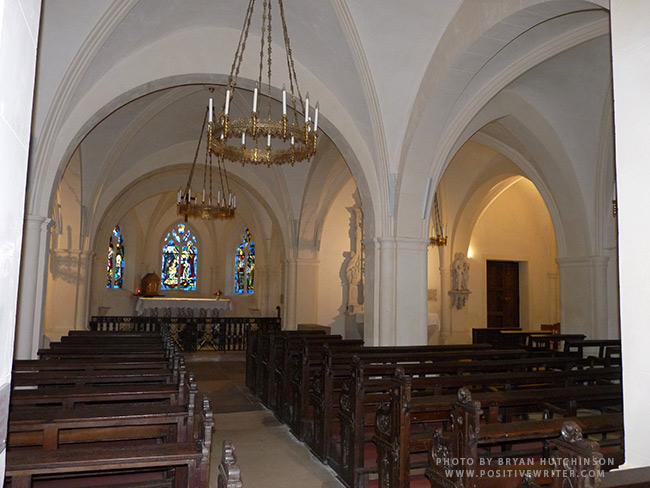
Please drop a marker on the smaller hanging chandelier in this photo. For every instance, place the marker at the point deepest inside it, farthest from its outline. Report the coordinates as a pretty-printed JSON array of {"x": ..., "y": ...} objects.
[
  {"x": 206, "y": 203},
  {"x": 270, "y": 138},
  {"x": 440, "y": 238}
]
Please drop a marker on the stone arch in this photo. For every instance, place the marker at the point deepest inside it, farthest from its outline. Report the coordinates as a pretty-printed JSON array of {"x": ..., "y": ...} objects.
[{"x": 450, "y": 105}]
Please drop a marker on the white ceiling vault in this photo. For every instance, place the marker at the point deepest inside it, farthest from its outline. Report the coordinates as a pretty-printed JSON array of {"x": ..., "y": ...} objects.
[{"x": 401, "y": 85}]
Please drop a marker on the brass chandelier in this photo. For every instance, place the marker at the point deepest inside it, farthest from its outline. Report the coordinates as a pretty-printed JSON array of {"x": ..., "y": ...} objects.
[
  {"x": 207, "y": 204},
  {"x": 266, "y": 138}
]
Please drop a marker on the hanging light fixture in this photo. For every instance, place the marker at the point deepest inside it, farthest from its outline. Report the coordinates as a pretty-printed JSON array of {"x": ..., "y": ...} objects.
[
  {"x": 440, "y": 238},
  {"x": 266, "y": 138},
  {"x": 206, "y": 203}
]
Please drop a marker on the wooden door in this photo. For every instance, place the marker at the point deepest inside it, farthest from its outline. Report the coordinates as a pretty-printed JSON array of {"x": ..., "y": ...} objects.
[{"x": 502, "y": 294}]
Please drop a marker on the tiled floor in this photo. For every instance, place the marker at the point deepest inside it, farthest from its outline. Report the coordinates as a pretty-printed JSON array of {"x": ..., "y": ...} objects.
[{"x": 267, "y": 454}]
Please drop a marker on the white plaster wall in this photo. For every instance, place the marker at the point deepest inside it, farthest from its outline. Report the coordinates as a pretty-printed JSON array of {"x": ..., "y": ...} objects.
[
  {"x": 515, "y": 227},
  {"x": 336, "y": 242},
  {"x": 631, "y": 67},
  {"x": 63, "y": 278},
  {"x": 19, "y": 23}
]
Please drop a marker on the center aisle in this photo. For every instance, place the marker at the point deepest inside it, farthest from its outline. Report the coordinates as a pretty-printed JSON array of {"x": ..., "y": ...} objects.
[{"x": 267, "y": 454}]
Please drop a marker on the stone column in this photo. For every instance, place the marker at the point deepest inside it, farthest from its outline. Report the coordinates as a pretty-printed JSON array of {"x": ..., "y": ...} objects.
[
  {"x": 371, "y": 293},
  {"x": 289, "y": 305},
  {"x": 583, "y": 293},
  {"x": 631, "y": 70},
  {"x": 402, "y": 290},
  {"x": 445, "y": 304},
  {"x": 31, "y": 295},
  {"x": 307, "y": 291},
  {"x": 19, "y": 25}
]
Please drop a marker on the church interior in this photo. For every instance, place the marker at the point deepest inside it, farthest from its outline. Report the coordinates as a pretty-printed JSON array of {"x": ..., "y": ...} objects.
[{"x": 467, "y": 172}]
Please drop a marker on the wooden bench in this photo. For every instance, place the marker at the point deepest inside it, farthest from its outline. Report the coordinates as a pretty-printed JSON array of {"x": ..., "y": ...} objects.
[
  {"x": 268, "y": 344},
  {"x": 551, "y": 343},
  {"x": 284, "y": 362},
  {"x": 91, "y": 378},
  {"x": 69, "y": 397},
  {"x": 455, "y": 457},
  {"x": 94, "y": 352},
  {"x": 394, "y": 435},
  {"x": 627, "y": 478},
  {"x": 604, "y": 349},
  {"x": 327, "y": 384},
  {"x": 369, "y": 387},
  {"x": 51, "y": 427},
  {"x": 301, "y": 359},
  {"x": 189, "y": 460}
]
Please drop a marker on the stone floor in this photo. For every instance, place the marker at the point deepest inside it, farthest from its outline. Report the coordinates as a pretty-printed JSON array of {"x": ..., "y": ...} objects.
[{"x": 267, "y": 453}]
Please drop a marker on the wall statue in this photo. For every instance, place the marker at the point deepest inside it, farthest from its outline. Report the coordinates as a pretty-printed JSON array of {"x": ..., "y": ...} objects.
[
  {"x": 459, "y": 292},
  {"x": 354, "y": 266}
]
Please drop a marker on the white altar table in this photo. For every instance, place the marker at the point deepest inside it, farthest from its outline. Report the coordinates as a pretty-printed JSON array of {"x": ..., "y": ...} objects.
[{"x": 182, "y": 307}]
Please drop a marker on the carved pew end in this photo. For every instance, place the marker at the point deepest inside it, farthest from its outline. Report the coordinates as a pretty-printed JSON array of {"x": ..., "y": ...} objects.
[{"x": 229, "y": 473}]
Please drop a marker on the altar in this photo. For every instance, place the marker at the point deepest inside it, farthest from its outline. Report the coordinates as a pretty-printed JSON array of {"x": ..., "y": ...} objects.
[{"x": 182, "y": 307}]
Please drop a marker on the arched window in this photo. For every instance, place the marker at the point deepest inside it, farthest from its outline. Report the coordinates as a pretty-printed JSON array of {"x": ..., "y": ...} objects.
[
  {"x": 179, "y": 260},
  {"x": 115, "y": 260},
  {"x": 245, "y": 265}
]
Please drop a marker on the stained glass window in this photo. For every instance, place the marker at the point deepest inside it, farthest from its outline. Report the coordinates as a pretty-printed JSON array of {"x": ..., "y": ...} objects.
[
  {"x": 245, "y": 265},
  {"x": 179, "y": 260},
  {"x": 115, "y": 260}
]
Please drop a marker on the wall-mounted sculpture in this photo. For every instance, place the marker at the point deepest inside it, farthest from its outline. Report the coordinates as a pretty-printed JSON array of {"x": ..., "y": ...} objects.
[{"x": 459, "y": 292}]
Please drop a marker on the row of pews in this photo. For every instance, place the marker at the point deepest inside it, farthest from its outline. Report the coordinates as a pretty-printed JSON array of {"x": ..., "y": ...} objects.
[
  {"x": 107, "y": 409},
  {"x": 398, "y": 417}
]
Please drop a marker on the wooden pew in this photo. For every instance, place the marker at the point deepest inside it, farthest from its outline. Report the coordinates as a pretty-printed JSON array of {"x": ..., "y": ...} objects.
[
  {"x": 335, "y": 370},
  {"x": 301, "y": 356},
  {"x": 269, "y": 344},
  {"x": 393, "y": 434},
  {"x": 229, "y": 473},
  {"x": 285, "y": 352},
  {"x": 627, "y": 478},
  {"x": 190, "y": 460},
  {"x": 93, "y": 352},
  {"x": 455, "y": 456},
  {"x": 307, "y": 364},
  {"x": 72, "y": 396},
  {"x": 368, "y": 387},
  {"x": 604, "y": 348},
  {"x": 50, "y": 427},
  {"x": 170, "y": 392},
  {"x": 91, "y": 378},
  {"x": 546, "y": 343},
  {"x": 108, "y": 335}
]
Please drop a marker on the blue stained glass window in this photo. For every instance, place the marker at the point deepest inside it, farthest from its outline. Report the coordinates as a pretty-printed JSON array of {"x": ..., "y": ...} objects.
[
  {"x": 115, "y": 260},
  {"x": 245, "y": 265},
  {"x": 179, "y": 260}
]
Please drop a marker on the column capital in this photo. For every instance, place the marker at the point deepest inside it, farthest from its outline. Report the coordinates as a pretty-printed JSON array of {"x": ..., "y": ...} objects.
[
  {"x": 38, "y": 221},
  {"x": 403, "y": 243}
]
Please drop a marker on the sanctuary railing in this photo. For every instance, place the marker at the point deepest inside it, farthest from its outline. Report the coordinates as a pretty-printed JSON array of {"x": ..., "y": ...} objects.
[{"x": 192, "y": 333}]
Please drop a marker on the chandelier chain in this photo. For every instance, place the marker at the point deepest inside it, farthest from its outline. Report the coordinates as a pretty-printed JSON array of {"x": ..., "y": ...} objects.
[
  {"x": 241, "y": 45},
  {"x": 208, "y": 158},
  {"x": 270, "y": 49},
  {"x": 262, "y": 43},
  {"x": 196, "y": 153},
  {"x": 290, "y": 65}
]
